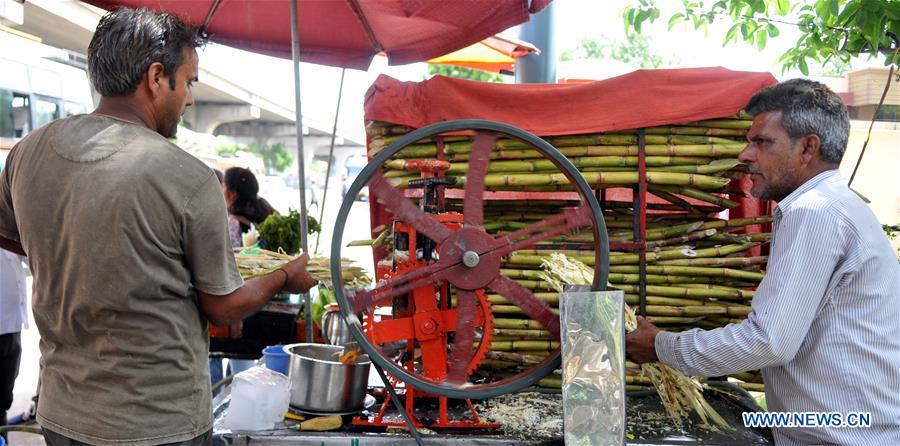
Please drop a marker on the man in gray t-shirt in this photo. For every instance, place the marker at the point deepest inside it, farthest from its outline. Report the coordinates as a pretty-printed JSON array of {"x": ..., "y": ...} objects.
[{"x": 127, "y": 239}]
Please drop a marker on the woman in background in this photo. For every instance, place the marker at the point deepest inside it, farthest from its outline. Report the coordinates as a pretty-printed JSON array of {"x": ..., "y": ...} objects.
[{"x": 244, "y": 205}]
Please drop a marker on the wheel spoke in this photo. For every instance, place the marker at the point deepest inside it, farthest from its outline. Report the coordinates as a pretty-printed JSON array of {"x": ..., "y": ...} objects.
[
  {"x": 404, "y": 210},
  {"x": 396, "y": 286},
  {"x": 571, "y": 219},
  {"x": 479, "y": 160},
  {"x": 462, "y": 351},
  {"x": 524, "y": 299}
]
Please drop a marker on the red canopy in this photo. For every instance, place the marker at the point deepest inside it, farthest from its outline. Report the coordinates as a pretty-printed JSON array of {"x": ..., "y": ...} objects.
[
  {"x": 348, "y": 33},
  {"x": 643, "y": 98}
]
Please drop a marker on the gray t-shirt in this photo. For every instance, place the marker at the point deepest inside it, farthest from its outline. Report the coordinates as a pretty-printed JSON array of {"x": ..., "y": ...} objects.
[{"x": 121, "y": 229}]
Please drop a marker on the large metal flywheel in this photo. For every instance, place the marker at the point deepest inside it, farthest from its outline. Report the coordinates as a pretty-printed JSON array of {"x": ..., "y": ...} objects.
[{"x": 467, "y": 260}]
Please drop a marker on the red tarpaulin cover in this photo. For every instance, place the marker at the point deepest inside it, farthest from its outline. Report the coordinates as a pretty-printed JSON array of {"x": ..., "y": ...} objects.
[
  {"x": 336, "y": 32},
  {"x": 643, "y": 98}
]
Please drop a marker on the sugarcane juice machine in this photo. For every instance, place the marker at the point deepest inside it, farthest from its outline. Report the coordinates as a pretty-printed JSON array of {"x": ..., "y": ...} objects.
[{"x": 427, "y": 321}]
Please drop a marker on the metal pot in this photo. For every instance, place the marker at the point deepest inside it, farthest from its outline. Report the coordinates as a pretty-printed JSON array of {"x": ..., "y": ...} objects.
[
  {"x": 334, "y": 329},
  {"x": 320, "y": 383}
]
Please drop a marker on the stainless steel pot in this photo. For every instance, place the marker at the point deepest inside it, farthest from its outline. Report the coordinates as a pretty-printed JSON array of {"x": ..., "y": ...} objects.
[
  {"x": 320, "y": 383},
  {"x": 334, "y": 329}
]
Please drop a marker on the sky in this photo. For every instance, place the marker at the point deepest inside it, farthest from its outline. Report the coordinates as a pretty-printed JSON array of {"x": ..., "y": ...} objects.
[{"x": 575, "y": 19}]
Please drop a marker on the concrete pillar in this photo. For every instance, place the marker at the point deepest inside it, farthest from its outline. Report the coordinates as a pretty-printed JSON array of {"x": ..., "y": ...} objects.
[{"x": 205, "y": 117}]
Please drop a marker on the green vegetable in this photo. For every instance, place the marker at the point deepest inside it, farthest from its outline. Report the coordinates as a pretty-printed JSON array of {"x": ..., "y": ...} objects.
[
  {"x": 282, "y": 232},
  {"x": 324, "y": 298}
]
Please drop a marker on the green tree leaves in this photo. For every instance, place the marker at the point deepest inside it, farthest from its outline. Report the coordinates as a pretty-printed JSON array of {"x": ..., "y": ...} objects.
[
  {"x": 464, "y": 73},
  {"x": 635, "y": 51},
  {"x": 276, "y": 157},
  {"x": 830, "y": 29}
]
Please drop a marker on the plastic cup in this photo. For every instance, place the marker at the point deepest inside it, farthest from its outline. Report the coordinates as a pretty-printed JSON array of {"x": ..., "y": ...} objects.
[{"x": 276, "y": 359}]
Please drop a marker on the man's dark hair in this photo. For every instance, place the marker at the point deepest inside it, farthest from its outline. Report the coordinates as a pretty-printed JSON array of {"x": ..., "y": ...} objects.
[
  {"x": 807, "y": 107},
  {"x": 128, "y": 40}
]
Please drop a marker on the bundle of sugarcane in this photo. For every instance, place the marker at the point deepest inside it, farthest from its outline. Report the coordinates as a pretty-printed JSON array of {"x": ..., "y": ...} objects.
[
  {"x": 694, "y": 160},
  {"x": 256, "y": 262}
]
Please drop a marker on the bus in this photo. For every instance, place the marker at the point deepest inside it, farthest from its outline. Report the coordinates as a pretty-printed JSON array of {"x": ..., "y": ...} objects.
[{"x": 38, "y": 84}]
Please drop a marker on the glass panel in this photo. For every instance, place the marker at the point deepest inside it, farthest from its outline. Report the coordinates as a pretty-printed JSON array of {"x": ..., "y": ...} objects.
[
  {"x": 7, "y": 121},
  {"x": 21, "y": 115},
  {"x": 45, "y": 111},
  {"x": 73, "y": 108}
]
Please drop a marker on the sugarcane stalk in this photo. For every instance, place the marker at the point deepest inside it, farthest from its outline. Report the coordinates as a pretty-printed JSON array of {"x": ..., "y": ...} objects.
[
  {"x": 530, "y": 345},
  {"x": 743, "y": 124},
  {"x": 521, "y": 333},
  {"x": 634, "y": 299},
  {"x": 517, "y": 323},
  {"x": 542, "y": 165},
  {"x": 512, "y": 309},
  {"x": 550, "y": 298},
  {"x": 737, "y": 222},
  {"x": 760, "y": 237},
  {"x": 717, "y": 167},
  {"x": 595, "y": 140},
  {"x": 593, "y": 178},
  {"x": 689, "y": 271},
  {"x": 664, "y": 233},
  {"x": 663, "y": 320},
  {"x": 619, "y": 278},
  {"x": 527, "y": 274},
  {"x": 535, "y": 285},
  {"x": 695, "y": 130},
  {"x": 680, "y": 239},
  {"x": 689, "y": 150},
  {"x": 698, "y": 293},
  {"x": 715, "y": 261},
  {"x": 701, "y": 310},
  {"x": 695, "y": 194},
  {"x": 624, "y": 259},
  {"x": 515, "y": 358},
  {"x": 518, "y": 338}
]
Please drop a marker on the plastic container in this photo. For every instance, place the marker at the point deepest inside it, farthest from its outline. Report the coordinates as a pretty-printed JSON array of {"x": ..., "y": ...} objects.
[
  {"x": 276, "y": 358},
  {"x": 259, "y": 399}
]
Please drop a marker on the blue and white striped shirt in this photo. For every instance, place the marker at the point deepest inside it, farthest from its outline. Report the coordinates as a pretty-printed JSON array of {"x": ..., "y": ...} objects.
[{"x": 825, "y": 325}]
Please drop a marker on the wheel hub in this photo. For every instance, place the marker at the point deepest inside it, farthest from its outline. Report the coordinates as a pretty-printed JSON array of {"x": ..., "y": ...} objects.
[
  {"x": 474, "y": 271},
  {"x": 470, "y": 259}
]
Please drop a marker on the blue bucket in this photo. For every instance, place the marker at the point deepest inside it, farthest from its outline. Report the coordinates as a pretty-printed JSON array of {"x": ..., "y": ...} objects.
[{"x": 276, "y": 359}]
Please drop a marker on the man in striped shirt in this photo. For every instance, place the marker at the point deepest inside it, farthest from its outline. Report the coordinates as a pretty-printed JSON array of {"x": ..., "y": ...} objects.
[{"x": 825, "y": 325}]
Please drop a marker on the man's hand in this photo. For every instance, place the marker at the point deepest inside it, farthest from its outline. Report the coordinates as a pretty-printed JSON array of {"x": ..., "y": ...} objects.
[
  {"x": 298, "y": 279},
  {"x": 640, "y": 344}
]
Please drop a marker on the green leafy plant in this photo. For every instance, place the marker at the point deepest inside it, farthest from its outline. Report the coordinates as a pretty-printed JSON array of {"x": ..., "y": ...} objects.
[
  {"x": 636, "y": 51},
  {"x": 282, "y": 232},
  {"x": 464, "y": 73},
  {"x": 829, "y": 29},
  {"x": 276, "y": 157}
]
